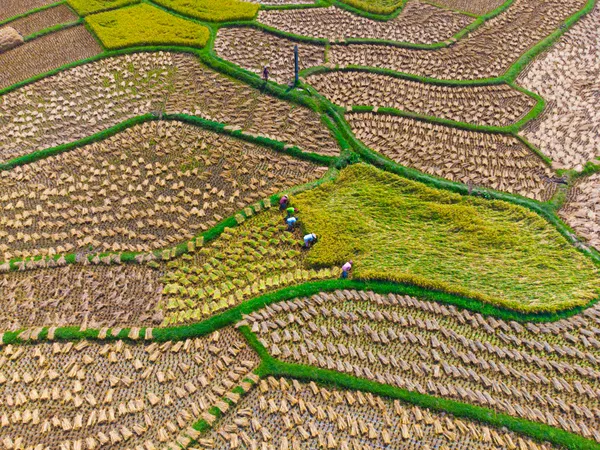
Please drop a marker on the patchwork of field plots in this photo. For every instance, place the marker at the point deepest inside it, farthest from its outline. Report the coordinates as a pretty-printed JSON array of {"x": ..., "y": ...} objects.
[
  {"x": 46, "y": 53},
  {"x": 152, "y": 293},
  {"x": 418, "y": 23},
  {"x": 151, "y": 186},
  {"x": 568, "y": 77},
  {"x": 486, "y": 52},
  {"x": 582, "y": 209},
  {"x": 495, "y": 161},
  {"x": 87, "y": 99},
  {"x": 87, "y": 296},
  {"x": 286, "y": 413},
  {"x": 546, "y": 372},
  {"x": 497, "y": 105},
  {"x": 257, "y": 257},
  {"x": 87, "y": 394},
  {"x": 44, "y": 19}
]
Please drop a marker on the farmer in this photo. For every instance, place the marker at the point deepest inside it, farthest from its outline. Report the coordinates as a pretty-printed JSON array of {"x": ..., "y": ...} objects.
[
  {"x": 283, "y": 202},
  {"x": 265, "y": 73},
  {"x": 346, "y": 268},
  {"x": 291, "y": 211},
  {"x": 291, "y": 223},
  {"x": 309, "y": 240}
]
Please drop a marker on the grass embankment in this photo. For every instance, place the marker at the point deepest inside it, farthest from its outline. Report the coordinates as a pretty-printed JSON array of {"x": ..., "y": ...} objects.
[
  {"x": 85, "y": 7},
  {"x": 213, "y": 10},
  {"x": 145, "y": 25},
  {"x": 400, "y": 230}
]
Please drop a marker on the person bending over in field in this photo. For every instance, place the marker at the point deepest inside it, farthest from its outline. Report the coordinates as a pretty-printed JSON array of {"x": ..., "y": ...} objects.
[
  {"x": 346, "y": 268},
  {"x": 309, "y": 240},
  {"x": 283, "y": 202},
  {"x": 291, "y": 223},
  {"x": 291, "y": 211}
]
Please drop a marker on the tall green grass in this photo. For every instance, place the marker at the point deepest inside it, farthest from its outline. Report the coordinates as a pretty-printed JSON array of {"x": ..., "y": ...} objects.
[{"x": 401, "y": 230}]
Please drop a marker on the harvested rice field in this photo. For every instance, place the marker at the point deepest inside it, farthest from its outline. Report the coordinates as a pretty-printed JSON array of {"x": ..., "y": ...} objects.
[
  {"x": 547, "y": 374},
  {"x": 487, "y": 52},
  {"x": 46, "y": 18},
  {"x": 254, "y": 49},
  {"x": 93, "y": 97},
  {"x": 418, "y": 23},
  {"x": 299, "y": 224},
  {"x": 152, "y": 186},
  {"x": 292, "y": 414},
  {"x": 568, "y": 77},
  {"x": 496, "y": 105},
  {"x": 582, "y": 209},
  {"x": 46, "y": 53},
  {"x": 487, "y": 160},
  {"x": 92, "y": 296},
  {"x": 258, "y": 257},
  {"x": 121, "y": 394}
]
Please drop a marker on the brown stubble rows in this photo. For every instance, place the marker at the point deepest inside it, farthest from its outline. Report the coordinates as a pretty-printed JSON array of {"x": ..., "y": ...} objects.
[
  {"x": 418, "y": 23},
  {"x": 288, "y": 414},
  {"x": 47, "y": 53},
  {"x": 546, "y": 373},
  {"x": 496, "y": 161},
  {"x": 91, "y": 394},
  {"x": 494, "y": 105},
  {"x": 150, "y": 187},
  {"x": 487, "y": 52}
]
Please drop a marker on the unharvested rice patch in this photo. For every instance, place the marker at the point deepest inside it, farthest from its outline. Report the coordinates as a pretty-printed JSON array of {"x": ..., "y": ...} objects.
[
  {"x": 90, "y": 98},
  {"x": 46, "y": 53},
  {"x": 296, "y": 415},
  {"x": 152, "y": 186},
  {"x": 9, "y": 39},
  {"x": 418, "y": 23},
  {"x": 568, "y": 77},
  {"x": 75, "y": 295},
  {"x": 44, "y": 19},
  {"x": 582, "y": 209},
  {"x": 479, "y": 7},
  {"x": 254, "y": 49},
  {"x": 89, "y": 394},
  {"x": 257, "y": 257},
  {"x": 487, "y": 52},
  {"x": 496, "y": 105},
  {"x": 11, "y": 8},
  {"x": 546, "y": 373},
  {"x": 496, "y": 161}
]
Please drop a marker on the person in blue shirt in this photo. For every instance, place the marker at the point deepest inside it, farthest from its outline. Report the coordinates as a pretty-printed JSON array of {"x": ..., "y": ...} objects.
[
  {"x": 309, "y": 240},
  {"x": 291, "y": 223}
]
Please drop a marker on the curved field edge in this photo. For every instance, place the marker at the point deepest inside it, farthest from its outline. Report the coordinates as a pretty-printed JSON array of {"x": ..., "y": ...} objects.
[
  {"x": 342, "y": 133},
  {"x": 512, "y": 129},
  {"x": 235, "y": 314},
  {"x": 254, "y": 23},
  {"x": 540, "y": 432}
]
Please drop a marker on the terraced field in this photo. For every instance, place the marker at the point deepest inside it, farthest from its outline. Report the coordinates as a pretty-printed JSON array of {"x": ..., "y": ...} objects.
[
  {"x": 519, "y": 369},
  {"x": 289, "y": 224},
  {"x": 495, "y": 105},
  {"x": 419, "y": 23}
]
